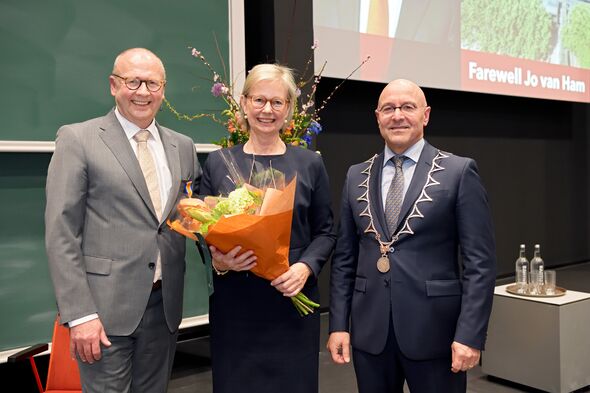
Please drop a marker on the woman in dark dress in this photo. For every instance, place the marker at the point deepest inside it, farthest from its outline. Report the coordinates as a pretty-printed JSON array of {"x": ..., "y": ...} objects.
[{"x": 259, "y": 343}]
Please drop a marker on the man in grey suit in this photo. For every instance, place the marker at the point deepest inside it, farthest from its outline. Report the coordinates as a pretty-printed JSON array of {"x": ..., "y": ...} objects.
[
  {"x": 117, "y": 269},
  {"x": 414, "y": 268}
]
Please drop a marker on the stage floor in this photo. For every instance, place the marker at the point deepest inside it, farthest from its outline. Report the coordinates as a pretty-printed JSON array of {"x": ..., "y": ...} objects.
[{"x": 192, "y": 371}]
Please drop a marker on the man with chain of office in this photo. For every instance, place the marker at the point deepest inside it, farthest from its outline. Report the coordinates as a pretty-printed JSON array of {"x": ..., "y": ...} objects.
[{"x": 414, "y": 269}]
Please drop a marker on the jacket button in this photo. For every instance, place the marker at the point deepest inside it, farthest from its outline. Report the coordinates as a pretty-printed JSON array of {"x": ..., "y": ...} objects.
[
  {"x": 151, "y": 265},
  {"x": 160, "y": 230}
]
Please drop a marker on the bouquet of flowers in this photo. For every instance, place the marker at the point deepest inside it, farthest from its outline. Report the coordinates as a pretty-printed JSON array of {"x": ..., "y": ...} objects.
[
  {"x": 304, "y": 126},
  {"x": 257, "y": 218}
]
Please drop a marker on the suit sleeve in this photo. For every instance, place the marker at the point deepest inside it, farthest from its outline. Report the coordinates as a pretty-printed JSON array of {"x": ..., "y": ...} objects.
[
  {"x": 476, "y": 237},
  {"x": 206, "y": 186},
  {"x": 321, "y": 219},
  {"x": 344, "y": 263},
  {"x": 196, "y": 170},
  {"x": 66, "y": 190}
]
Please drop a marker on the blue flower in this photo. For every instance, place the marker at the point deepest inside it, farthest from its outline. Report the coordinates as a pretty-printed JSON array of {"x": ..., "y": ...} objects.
[
  {"x": 314, "y": 127},
  {"x": 307, "y": 138}
]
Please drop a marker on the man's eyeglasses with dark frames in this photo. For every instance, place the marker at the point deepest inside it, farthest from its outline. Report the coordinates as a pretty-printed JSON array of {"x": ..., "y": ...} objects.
[
  {"x": 135, "y": 83},
  {"x": 406, "y": 109}
]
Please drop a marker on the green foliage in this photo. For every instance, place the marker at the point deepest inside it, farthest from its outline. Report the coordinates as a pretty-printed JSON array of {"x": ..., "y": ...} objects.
[
  {"x": 517, "y": 28},
  {"x": 576, "y": 33}
]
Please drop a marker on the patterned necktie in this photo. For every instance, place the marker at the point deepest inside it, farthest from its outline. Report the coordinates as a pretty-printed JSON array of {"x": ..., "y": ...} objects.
[
  {"x": 378, "y": 22},
  {"x": 148, "y": 167},
  {"x": 395, "y": 195}
]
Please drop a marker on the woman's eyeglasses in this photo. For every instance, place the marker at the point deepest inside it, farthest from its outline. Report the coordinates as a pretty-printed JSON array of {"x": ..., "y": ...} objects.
[{"x": 276, "y": 103}]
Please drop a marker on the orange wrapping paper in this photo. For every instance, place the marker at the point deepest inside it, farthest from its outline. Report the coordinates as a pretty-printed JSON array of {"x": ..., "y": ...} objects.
[{"x": 267, "y": 234}]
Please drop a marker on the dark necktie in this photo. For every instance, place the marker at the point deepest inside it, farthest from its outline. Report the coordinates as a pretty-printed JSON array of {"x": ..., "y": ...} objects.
[{"x": 395, "y": 195}]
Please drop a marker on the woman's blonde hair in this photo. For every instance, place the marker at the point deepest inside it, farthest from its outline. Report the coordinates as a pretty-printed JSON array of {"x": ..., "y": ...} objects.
[{"x": 272, "y": 72}]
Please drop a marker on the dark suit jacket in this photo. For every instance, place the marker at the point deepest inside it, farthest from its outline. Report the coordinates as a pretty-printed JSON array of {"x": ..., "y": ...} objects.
[
  {"x": 102, "y": 232},
  {"x": 433, "y": 298}
]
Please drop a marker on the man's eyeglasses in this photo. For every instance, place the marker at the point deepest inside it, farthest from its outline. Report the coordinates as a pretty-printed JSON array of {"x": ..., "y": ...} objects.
[
  {"x": 135, "y": 83},
  {"x": 406, "y": 109},
  {"x": 259, "y": 102}
]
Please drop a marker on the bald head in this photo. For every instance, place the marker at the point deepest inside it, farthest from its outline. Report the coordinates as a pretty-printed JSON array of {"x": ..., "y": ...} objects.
[
  {"x": 406, "y": 86},
  {"x": 138, "y": 55}
]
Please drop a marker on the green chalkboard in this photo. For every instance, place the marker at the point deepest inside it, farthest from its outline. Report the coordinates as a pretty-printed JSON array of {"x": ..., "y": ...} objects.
[
  {"x": 55, "y": 60},
  {"x": 56, "y": 57},
  {"x": 27, "y": 303}
]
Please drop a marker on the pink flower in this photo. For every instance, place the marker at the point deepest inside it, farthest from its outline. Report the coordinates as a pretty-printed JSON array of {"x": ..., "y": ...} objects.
[{"x": 219, "y": 89}]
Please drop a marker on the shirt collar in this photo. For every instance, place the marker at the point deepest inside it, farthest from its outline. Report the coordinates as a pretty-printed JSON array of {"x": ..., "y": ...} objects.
[
  {"x": 413, "y": 152},
  {"x": 131, "y": 128}
]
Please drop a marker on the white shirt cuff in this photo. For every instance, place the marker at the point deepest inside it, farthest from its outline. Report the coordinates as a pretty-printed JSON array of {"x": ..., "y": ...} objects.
[{"x": 80, "y": 321}]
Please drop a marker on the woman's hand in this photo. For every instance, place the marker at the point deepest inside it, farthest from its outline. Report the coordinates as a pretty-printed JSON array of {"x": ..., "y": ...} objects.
[
  {"x": 233, "y": 261},
  {"x": 292, "y": 281}
]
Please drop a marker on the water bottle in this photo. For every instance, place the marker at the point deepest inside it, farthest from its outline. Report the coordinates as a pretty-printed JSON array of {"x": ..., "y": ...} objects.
[
  {"x": 521, "y": 271},
  {"x": 537, "y": 268}
]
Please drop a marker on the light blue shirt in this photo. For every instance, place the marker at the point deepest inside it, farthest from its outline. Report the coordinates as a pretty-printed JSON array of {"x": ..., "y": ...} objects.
[{"x": 409, "y": 165}]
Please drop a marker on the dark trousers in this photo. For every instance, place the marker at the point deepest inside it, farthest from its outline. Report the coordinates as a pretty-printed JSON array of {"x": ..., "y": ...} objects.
[
  {"x": 387, "y": 371},
  {"x": 139, "y": 363}
]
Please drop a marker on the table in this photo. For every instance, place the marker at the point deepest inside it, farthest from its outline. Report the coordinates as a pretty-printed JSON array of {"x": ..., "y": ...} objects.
[{"x": 539, "y": 342}]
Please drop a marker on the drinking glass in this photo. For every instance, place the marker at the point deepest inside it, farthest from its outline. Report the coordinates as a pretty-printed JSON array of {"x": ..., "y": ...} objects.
[
  {"x": 535, "y": 286},
  {"x": 550, "y": 281}
]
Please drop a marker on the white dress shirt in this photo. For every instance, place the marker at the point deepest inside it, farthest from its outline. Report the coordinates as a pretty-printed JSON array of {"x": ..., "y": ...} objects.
[{"x": 156, "y": 148}]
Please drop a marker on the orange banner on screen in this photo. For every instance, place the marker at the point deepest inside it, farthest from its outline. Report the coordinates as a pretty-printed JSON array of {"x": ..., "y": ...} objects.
[{"x": 490, "y": 73}]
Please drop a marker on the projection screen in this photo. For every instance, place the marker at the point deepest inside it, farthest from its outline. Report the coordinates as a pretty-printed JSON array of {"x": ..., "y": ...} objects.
[{"x": 529, "y": 48}]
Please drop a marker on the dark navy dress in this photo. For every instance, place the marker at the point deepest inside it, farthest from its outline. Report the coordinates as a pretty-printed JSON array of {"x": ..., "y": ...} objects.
[{"x": 259, "y": 343}]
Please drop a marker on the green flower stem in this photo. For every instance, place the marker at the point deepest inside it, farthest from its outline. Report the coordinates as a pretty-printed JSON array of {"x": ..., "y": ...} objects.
[
  {"x": 301, "y": 308},
  {"x": 307, "y": 301},
  {"x": 303, "y": 304}
]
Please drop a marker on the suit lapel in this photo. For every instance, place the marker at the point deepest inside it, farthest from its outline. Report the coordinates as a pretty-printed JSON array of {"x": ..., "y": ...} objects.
[
  {"x": 173, "y": 157},
  {"x": 375, "y": 196},
  {"x": 115, "y": 139},
  {"x": 418, "y": 180}
]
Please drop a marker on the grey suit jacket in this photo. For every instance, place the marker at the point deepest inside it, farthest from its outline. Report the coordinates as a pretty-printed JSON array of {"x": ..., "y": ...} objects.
[{"x": 102, "y": 233}]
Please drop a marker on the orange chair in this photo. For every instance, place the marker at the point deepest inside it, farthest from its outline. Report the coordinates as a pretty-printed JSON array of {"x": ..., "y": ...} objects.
[{"x": 63, "y": 375}]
